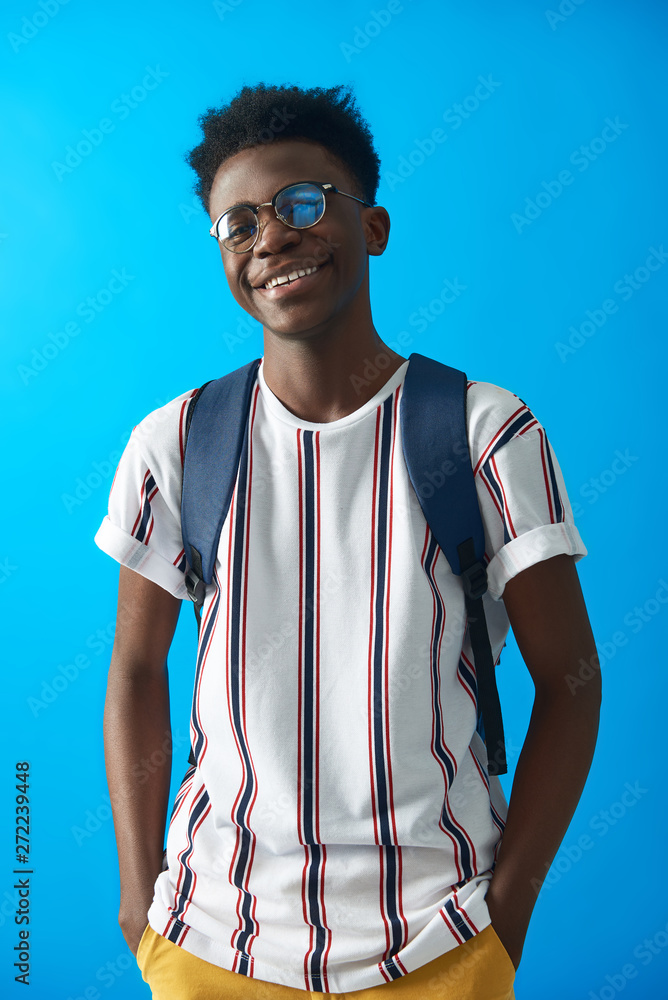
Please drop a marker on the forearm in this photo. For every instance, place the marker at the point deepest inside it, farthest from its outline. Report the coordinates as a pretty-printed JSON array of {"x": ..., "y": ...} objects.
[
  {"x": 549, "y": 779},
  {"x": 137, "y": 732}
]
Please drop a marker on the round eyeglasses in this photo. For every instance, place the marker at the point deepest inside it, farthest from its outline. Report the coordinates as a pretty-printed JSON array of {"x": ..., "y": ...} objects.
[{"x": 299, "y": 206}]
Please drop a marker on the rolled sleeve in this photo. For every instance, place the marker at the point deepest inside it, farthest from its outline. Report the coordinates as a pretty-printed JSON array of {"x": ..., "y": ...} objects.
[
  {"x": 540, "y": 543},
  {"x": 524, "y": 503},
  {"x": 143, "y": 559},
  {"x": 142, "y": 529}
]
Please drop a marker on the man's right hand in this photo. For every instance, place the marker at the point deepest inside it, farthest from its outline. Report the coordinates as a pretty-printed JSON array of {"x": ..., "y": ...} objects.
[{"x": 133, "y": 929}]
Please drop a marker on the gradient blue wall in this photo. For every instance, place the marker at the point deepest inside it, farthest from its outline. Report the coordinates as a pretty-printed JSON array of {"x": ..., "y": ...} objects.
[{"x": 551, "y": 220}]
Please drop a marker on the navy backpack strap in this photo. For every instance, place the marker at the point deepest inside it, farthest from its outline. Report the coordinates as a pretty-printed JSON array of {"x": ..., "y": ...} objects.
[
  {"x": 436, "y": 449},
  {"x": 215, "y": 432}
]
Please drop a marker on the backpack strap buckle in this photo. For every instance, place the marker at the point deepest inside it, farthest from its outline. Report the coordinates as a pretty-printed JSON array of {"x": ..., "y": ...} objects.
[
  {"x": 196, "y": 588},
  {"x": 474, "y": 578},
  {"x": 195, "y": 584}
]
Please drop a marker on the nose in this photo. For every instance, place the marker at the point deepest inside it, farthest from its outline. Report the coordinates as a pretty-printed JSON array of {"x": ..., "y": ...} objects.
[{"x": 273, "y": 234}]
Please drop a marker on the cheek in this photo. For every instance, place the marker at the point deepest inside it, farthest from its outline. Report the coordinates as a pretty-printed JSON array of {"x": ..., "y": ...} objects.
[{"x": 232, "y": 276}]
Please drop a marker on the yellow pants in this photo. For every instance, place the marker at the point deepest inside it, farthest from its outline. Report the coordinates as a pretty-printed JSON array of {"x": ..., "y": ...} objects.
[{"x": 480, "y": 969}]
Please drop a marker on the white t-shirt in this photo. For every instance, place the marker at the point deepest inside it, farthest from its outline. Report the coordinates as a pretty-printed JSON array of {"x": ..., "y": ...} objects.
[{"x": 340, "y": 829}]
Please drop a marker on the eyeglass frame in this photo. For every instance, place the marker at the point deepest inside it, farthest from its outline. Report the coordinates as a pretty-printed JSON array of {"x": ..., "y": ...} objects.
[{"x": 322, "y": 187}]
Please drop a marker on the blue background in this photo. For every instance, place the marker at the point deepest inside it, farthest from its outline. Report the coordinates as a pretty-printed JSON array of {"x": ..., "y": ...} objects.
[{"x": 128, "y": 206}]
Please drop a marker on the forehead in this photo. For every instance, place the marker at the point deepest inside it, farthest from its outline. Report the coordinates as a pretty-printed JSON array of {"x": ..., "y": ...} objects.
[{"x": 255, "y": 175}]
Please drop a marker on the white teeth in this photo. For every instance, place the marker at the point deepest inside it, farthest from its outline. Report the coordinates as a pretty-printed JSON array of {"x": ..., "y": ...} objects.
[{"x": 285, "y": 278}]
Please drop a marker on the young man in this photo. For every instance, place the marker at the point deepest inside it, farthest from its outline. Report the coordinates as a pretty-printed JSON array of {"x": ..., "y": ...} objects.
[{"x": 340, "y": 831}]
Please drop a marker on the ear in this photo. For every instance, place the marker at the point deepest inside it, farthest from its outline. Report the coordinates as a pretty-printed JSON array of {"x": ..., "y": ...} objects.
[{"x": 376, "y": 223}]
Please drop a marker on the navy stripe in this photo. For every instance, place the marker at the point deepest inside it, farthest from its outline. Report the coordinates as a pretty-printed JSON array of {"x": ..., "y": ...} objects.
[
  {"x": 392, "y": 969},
  {"x": 244, "y": 964},
  {"x": 180, "y": 795},
  {"x": 321, "y": 933},
  {"x": 146, "y": 511},
  {"x": 496, "y": 486},
  {"x": 514, "y": 428},
  {"x": 176, "y": 931},
  {"x": 458, "y": 920},
  {"x": 390, "y": 851},
  {"x": 308, "y": 673},
  {"x": 379, "y": 638},
  {"x": 315, "y": 851},
  {"x": 198, "y": 743},
  {"x": 240, "y": 813},
  {"x": 391, "y": 884},
  {"x": 558, "y": 509},
  {"x": 468, "y": 677},
  {"x": 186, "y": 885},
  {"x": 465, "y": 851},
  {"x": 439, "y": 748}
]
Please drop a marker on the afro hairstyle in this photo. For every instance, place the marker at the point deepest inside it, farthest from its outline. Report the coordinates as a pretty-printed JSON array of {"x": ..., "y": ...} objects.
[{"x": 328, "y": 116}]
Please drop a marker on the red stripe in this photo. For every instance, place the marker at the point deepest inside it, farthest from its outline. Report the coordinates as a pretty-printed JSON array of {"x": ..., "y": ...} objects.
[
  {"x": 451, "y": 927},
  {"x": 461, "y": 679},
  {"x": 374, "y": 500},
  {"x": 456, "y": 848},
  {"x": 318, "y": 496},
  {"x": 461, "y": 910},
  {"x": 546, "y": 476},
  {"x": 181, "y": 853},
  {"x": 179, "y": 803},
  {"x": 386, "y": 635},
  {"x": 193, "y": 883},
  {"x": 492, "y": 493},
  {"x": 300, "y": 748},
  {"x": 205, "y": 656},
  {"x": 508, "y": 518},
  {"x": 316, "y": 437},
  {"x": 480, "y": 770},
  {"x": 141, "y": 503},
  {"x": 498, "y": 434},
  {"x": 242, "y": 626},
  {"x": 182, "y": 424}
]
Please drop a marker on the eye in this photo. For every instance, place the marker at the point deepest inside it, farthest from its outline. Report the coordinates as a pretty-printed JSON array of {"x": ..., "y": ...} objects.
[{"x": 240, "y": 231}]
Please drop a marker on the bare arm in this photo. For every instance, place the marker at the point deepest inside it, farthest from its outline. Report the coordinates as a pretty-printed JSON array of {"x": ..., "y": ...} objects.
[
  {"x": 549, "y": 619},
  {"x": 137, "y": 726}
]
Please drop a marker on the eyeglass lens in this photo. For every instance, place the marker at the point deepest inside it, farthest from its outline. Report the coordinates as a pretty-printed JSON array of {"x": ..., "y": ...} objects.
[{"x": 300, "y": 206}]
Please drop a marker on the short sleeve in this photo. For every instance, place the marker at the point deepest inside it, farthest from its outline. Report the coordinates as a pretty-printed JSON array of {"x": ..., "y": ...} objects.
[
  {"x": 142, "y": 529},
  {"x": 523, "y": 500}
]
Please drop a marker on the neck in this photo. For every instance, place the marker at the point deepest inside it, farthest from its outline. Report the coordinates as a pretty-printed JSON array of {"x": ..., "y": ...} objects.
[
  {"x": 321, "y": 382},
  {"x": 323, "y": 375}
]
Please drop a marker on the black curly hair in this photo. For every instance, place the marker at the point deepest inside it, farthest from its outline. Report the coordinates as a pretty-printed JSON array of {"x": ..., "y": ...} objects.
[{"x": 262, "y": 114}]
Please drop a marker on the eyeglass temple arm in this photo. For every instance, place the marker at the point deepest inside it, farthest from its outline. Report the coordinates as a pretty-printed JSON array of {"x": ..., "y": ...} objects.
[{"x": 330, "y": 187}]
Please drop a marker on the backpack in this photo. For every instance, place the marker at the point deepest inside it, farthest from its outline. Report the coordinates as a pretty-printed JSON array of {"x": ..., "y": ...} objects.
[{"x": 435, "y": 443}]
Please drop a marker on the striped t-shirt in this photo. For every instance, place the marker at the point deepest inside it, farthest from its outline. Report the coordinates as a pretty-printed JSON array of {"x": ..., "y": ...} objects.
[{"x": 340, "y": 828}]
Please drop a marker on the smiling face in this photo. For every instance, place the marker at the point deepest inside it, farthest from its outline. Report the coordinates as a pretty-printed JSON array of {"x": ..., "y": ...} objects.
[{"x": 339, "y": 245}]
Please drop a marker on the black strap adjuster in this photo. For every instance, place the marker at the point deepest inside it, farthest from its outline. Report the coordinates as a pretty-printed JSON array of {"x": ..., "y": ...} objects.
[
  {"x": 196, "y": 588},
  {"x": 475, "y": 580}
]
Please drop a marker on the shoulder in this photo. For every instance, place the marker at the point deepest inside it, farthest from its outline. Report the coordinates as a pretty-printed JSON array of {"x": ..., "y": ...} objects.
[
  {"x": 160, "y": 436},
  {"x": 494, "y": 416}
]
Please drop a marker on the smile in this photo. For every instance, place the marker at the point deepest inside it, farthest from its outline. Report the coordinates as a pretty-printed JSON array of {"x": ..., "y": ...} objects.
[{"x": 287, "y": 284}]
